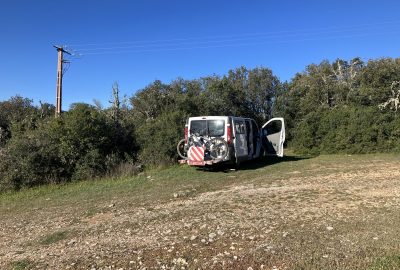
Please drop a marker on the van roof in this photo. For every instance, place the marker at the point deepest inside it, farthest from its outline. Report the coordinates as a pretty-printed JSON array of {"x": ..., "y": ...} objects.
[{"x": 206, "y": 117}]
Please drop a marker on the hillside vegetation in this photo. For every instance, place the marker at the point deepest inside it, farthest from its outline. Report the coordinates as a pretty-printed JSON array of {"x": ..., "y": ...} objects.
[{"x": 338, "y": 107}]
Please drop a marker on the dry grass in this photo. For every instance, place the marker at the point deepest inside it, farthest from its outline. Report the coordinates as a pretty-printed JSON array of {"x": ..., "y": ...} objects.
[{"x": 329, "y": 212}]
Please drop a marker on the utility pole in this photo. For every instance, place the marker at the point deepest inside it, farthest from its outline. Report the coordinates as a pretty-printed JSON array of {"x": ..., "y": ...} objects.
[{"x": 60, "y": 62}]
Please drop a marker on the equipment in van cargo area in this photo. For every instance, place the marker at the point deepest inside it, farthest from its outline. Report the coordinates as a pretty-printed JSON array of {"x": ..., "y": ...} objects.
[{"x": 214, "y": 139}]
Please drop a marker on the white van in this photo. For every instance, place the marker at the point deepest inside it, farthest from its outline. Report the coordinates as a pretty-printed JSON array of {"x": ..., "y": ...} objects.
[{"x": 239, "y": 139}]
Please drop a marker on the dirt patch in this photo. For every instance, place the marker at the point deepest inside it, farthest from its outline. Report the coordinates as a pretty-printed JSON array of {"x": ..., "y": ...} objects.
[
  {"x": 99, "y": 218},
  {"x": 341, "y": 217}
]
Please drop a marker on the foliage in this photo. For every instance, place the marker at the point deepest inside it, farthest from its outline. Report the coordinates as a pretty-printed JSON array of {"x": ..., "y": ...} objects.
[
  {"x": 337, "y": 107},
  {"x": 330, "y": 107},
  {"x": 31, "y": 159},
  {"x": 158, "y": 138},
  {"x": 84, "y": 143}
]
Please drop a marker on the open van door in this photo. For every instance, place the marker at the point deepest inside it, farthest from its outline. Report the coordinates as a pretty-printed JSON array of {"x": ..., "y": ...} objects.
[
  {"x": 273, "y": 136},
  {"x": 240, "y": 141}
]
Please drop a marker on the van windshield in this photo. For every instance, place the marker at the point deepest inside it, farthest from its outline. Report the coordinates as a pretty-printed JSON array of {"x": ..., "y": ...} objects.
[{"x": 212, "y": 128}]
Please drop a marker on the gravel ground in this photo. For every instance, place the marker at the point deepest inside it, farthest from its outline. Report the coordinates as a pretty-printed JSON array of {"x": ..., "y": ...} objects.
[{"x": 322, "y": 216}]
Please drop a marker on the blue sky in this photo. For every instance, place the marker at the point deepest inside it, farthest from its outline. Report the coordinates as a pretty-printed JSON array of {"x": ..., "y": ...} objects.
[{"x": 136, "y": 42}]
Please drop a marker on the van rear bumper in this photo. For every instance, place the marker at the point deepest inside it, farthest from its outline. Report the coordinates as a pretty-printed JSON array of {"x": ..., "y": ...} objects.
[{"x": 199, "y": 163}]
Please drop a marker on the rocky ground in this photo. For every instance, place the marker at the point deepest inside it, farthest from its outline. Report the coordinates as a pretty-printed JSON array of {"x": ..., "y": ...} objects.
[{"x": 315, "y": 215}]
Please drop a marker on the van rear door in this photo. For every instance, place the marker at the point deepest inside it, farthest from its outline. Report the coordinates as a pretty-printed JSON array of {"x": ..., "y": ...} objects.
[
  {"x": 239, "y": 127},
  {"x": 273, "y": 136}
]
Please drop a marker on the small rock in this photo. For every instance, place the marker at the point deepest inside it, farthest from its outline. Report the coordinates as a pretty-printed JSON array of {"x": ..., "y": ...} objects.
[
  {"x": 71, "y": 242},
  {"x": 193, "y": 237},
  {"x": 375, "y": 238},
  {"x": 211, "y": 235},
  {"x": 180, "y": 261},
  {"x": 176, "y": 195},
  {"x": 250, "y": 268},
  {"x": 111, "y": 205},
  {"x": 329, "y": 228},
  {"x": 235, "y": 257}
]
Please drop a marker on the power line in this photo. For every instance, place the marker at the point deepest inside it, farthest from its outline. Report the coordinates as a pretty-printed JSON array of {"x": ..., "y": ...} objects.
[
  {"x": 210, "y": 41},
  {"x": 165, "y": 48},
  {"x": 249, "y": 35}
]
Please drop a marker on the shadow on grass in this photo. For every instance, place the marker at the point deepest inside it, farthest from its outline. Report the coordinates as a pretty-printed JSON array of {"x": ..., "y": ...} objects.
[
  {"x": 253, "y": 164},
  {"x": 269, "y": 160}
]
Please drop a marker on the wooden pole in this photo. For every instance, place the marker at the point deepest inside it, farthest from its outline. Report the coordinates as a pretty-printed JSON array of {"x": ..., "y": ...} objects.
[{"x": 59, "y": 81}]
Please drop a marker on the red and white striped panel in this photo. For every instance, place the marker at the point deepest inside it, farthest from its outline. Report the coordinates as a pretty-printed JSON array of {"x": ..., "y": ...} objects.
[{"x": 196, "y": 153}]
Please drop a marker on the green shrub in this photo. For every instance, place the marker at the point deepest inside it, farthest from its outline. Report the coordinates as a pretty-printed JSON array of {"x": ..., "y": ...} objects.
[
  {"x": 76, "y": 146},
  {"x": 158, "y": 138},
  {"x": 347, "y": 130},
  {"x": 31, "y": 159}
]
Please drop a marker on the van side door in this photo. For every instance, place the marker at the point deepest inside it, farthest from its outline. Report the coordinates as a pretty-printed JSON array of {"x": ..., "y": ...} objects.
[
  {"x": 239, "y": 127},
  {"x": 273, "y": 136}
]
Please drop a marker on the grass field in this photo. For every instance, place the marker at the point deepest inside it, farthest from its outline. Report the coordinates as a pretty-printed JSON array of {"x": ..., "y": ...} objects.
[{"x": 327, "y": 212}]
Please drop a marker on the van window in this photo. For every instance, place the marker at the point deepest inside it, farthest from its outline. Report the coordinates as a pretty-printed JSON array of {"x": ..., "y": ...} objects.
[
  {"x": 198, "y": 127},
  {"x": 212, "y": 128},
  {"x": 274, "y": 127},
  {"x": 216, "y": 128},
  {"x": 239, "y": 127}
]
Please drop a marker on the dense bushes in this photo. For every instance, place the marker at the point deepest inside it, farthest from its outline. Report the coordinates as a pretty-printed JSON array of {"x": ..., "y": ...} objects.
[
  {"x": 158, "y": 138},
  {"x": 83, "y": 143},
  {"x": 347, "y": 130},
  {"x": 345, "y": 107},
  {"x": 339, "y": 107},
  {"x": 31, "y": 159}
]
